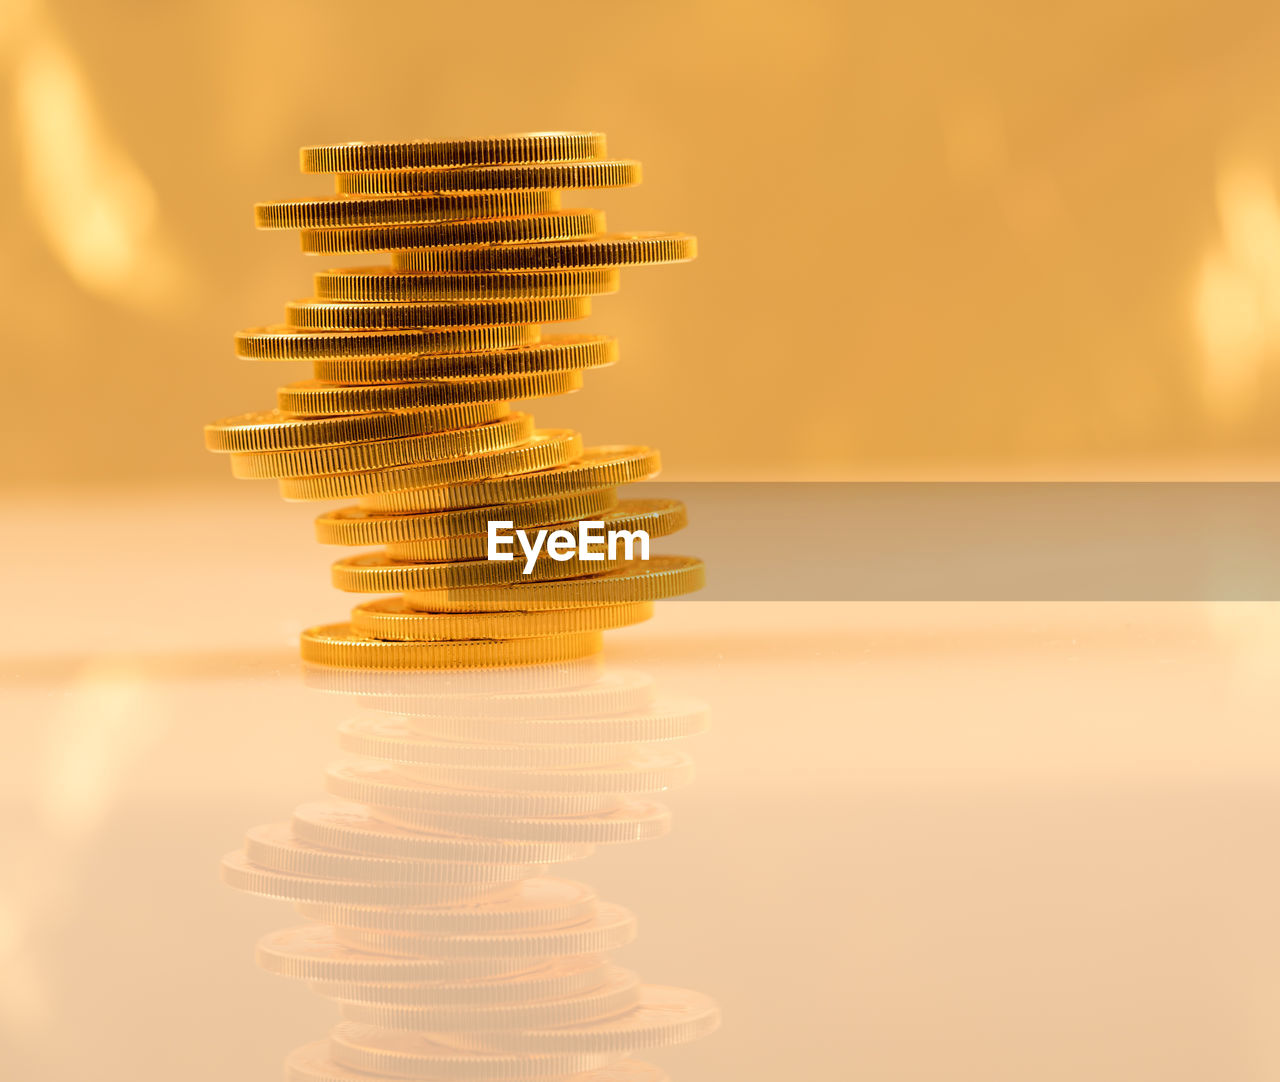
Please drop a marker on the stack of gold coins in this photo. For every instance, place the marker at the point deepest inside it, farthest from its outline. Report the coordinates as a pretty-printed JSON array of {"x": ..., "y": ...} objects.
[
  {"x": 436, "y": 923},
  {"x": 408, "y": 412}
]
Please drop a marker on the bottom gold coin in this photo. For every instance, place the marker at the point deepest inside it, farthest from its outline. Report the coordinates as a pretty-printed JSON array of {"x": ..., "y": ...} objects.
[
  {"x": 339, "y": 645},
  {"x": 390, "y": 618}
]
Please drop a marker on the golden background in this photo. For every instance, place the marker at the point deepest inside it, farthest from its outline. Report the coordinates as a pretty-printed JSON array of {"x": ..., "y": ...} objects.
[
  {"x": 929, "y": 233},
  {"x": 965, "y": 842}
]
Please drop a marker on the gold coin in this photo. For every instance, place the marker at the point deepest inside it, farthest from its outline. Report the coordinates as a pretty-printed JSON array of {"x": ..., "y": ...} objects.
[
  {"x": 498, "y": 435},
  {"x": 657, "y": 517},
  {"x": 351, "y": 829},
  {"x": 555, "y": 225},
  {"x": 318, "y": 315},
  {"x": 557, "y": 979},
  {"x": 356, "y": 526},
  {"x": 390, "y": 618},
  {"x": 333, "y": 211},
  {"x": 336, "y": 644},
  {"x": 394, "y": 740},
  {"x": 610, "y": 928},
  {"x": 381, "y": 285},
  {"x": 376, "y": 1051},
  {"x": 377, "y": 573},
  {"x": 313, "y": 953},
  {"x": 613, "y": 250},
  {"x": 662, "y": 1017},
  {"x": 286, "y": 344},
  {"x": 311, "y": 399},
  {"x": 543, "y": 146},
  {"x": 632, "y": 820},
  {"x": 596, "y": 467},
  {"x": 273, "y": 846},
  {"x": 272, "y": 430},
  {"x": 643, "y": 771},
  {"x": 493, "y": 178},
  {"x": 667, "y": 719},
  {"x": 240, "y": 873},
  {"x": 558, "y": 353},
  {"x": 533, "y": 903},
  {"x": 546, "y": 448},
  {"x": 620, "y": 992},
  {"x": 658, "y": 578},
  {"x": 384, "y": 788}
]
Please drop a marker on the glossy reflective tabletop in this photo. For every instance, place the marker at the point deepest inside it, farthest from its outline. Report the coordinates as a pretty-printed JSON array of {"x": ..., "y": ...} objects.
[{"x": 965, "y": 841}]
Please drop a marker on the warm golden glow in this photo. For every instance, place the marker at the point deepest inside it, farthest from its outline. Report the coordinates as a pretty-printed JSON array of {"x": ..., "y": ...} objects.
[
  {"x": 1237, "y": 302},
  {"x": 95, "y": 208}
]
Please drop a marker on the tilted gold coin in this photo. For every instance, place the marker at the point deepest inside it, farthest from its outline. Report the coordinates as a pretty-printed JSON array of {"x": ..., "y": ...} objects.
[
  {"x": 381, "y": 285},
  {"x": 337, "y": 645},
  {"x": 555, "y": 225},
  {"x": 515, "y": 428},
  {"x": 382, "y": 787},
  {"x": 493, "y": 178},
  {"x": 632, "y": 820},
  {"x": 349, "y": 828},
  {"x": 273, "y": 430},
  {"x": 377, "y": 573},
  {"x": 610, "y": 928},
  {"x": 667, "y": 719},
  {"x": 286, "y": 344},
  {"x": 619, "y": 992},
  {"x": 273, "y": 846},
  {"x": 548, "y": 146},
  {"x": 557, "y": 353},
  {"x": 556, "y": 979},
  {"x": 657, "y": 517},
  {"x": 391, "y": 618},
  {"x": 546, "y": 448},
  {"x": 371, "y": 1050},
  {"x": 394, "y": 740},
  {"x": 539, "y": 903},
  {"x": 663, "y": 1016},
  {"x": 613, "y": 250},
  {"x": 312, "y": 953},
  {"x": 596, "y": 467},
  {"x": 657, "y": 578},
  {"x": 242, "y": 874},
  {"x": 318, "y": 315},
  {"x": 333, "y": 211},
  {"x": 356, "y": 526},
  {"x": 312, "y": 399},
  {"x": 643, "y": 771}
]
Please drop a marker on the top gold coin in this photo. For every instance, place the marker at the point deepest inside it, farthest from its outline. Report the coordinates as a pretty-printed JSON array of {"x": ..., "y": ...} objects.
[{"x": 549, "y": 146}]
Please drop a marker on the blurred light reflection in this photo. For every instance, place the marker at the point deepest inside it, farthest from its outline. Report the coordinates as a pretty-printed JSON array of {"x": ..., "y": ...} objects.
[{"x": 94, "y": 206}]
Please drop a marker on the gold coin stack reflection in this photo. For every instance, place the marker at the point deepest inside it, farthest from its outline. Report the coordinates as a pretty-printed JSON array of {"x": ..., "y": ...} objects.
[
  {"x": 414, "y": 367},
  {"x": 439, "y": 927}
]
